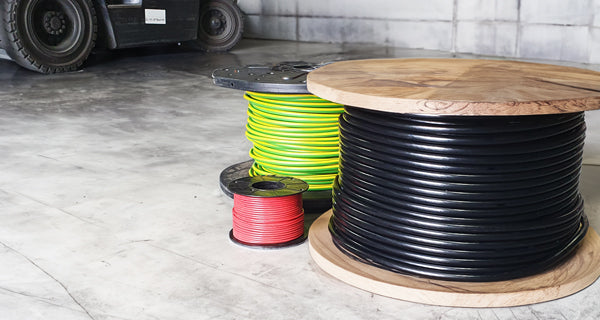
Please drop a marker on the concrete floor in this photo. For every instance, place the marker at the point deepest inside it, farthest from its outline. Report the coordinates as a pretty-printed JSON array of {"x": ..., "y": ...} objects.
[{"x": 110, "y": 205}]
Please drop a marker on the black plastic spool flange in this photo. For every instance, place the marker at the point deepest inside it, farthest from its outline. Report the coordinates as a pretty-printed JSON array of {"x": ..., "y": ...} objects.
[
  {"x": 285, "y": 77},
  {"x": 314, "y": 202}
]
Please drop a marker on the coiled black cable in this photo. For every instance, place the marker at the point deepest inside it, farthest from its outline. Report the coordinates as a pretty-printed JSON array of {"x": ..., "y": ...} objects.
[{"x": 456, "y": 197}]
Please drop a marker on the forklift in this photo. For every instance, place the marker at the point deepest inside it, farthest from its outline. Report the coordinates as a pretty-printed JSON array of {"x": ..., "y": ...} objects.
[{"x": 50, "y": 36}]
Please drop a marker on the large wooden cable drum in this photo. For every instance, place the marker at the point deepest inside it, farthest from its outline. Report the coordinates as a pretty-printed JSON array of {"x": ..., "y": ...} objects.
[{"x": 458, "y": 180}]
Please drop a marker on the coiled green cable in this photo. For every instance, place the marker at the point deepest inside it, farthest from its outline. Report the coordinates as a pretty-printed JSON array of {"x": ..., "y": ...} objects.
[{"x": 294, "y": 135}]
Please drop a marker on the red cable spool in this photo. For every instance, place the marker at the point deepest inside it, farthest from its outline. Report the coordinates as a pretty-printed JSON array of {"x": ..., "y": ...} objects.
[{"x": 267, "y": 211}]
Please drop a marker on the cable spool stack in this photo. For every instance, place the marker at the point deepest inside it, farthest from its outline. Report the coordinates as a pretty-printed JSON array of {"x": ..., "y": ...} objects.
[
  {"x": 458, "y": 180},
  {"x": 294, "y": 133}
]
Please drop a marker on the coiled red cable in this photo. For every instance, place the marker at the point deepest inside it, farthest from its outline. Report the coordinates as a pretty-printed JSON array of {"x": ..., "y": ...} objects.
[{"x": 267, "y": 220}]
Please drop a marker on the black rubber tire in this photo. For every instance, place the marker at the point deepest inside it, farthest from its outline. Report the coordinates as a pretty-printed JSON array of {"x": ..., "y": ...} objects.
[
  {"x": 220, "y": 26},
  {"x": 48, "y": 36}
]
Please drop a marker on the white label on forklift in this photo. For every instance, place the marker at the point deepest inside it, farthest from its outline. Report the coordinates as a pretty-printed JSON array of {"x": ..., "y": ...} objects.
[{"x": 156, "y": 16}]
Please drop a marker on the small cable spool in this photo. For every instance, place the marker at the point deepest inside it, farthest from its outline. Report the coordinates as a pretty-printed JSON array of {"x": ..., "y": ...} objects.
[
  {"x": 267, "y": 211},
  {"x": 293, "y": 132},
  {"x": 458, "y": 181}
]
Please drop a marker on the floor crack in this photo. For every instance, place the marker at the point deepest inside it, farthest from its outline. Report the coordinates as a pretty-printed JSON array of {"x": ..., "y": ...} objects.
[
  {"x": 38, "y": 298},
  {"x": 23, "y": 294},
  {"x": 59, "y": 209},
  {"x": 51, "y": 276}
]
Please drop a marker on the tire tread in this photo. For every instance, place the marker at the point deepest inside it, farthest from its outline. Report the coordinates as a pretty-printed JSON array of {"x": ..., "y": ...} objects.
[
  {"x": 18, "y": 52},
  {"x": 199, "y": 44}
]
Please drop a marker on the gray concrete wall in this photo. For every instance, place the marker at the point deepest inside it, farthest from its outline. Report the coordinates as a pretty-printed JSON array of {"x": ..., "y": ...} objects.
[{"x": 566, "y": 30}]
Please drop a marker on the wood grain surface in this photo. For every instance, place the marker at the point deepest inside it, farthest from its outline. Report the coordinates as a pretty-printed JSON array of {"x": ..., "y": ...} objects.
[
  {"x": 457, "y": 86},
  {"x": 575, "y": 274}
]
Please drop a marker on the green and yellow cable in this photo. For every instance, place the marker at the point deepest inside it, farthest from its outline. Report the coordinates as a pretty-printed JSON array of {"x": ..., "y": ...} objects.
[{"x": 294, "y": 135}]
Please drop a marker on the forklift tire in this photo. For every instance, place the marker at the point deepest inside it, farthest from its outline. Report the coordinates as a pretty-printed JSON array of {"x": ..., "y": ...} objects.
[
  {"x": 220, "y": 26},
  {"x": 48, "y": 36}
]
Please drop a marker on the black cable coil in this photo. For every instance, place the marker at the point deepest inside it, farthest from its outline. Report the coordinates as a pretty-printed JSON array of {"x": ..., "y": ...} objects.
[{"x": 482, "y": 198}]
